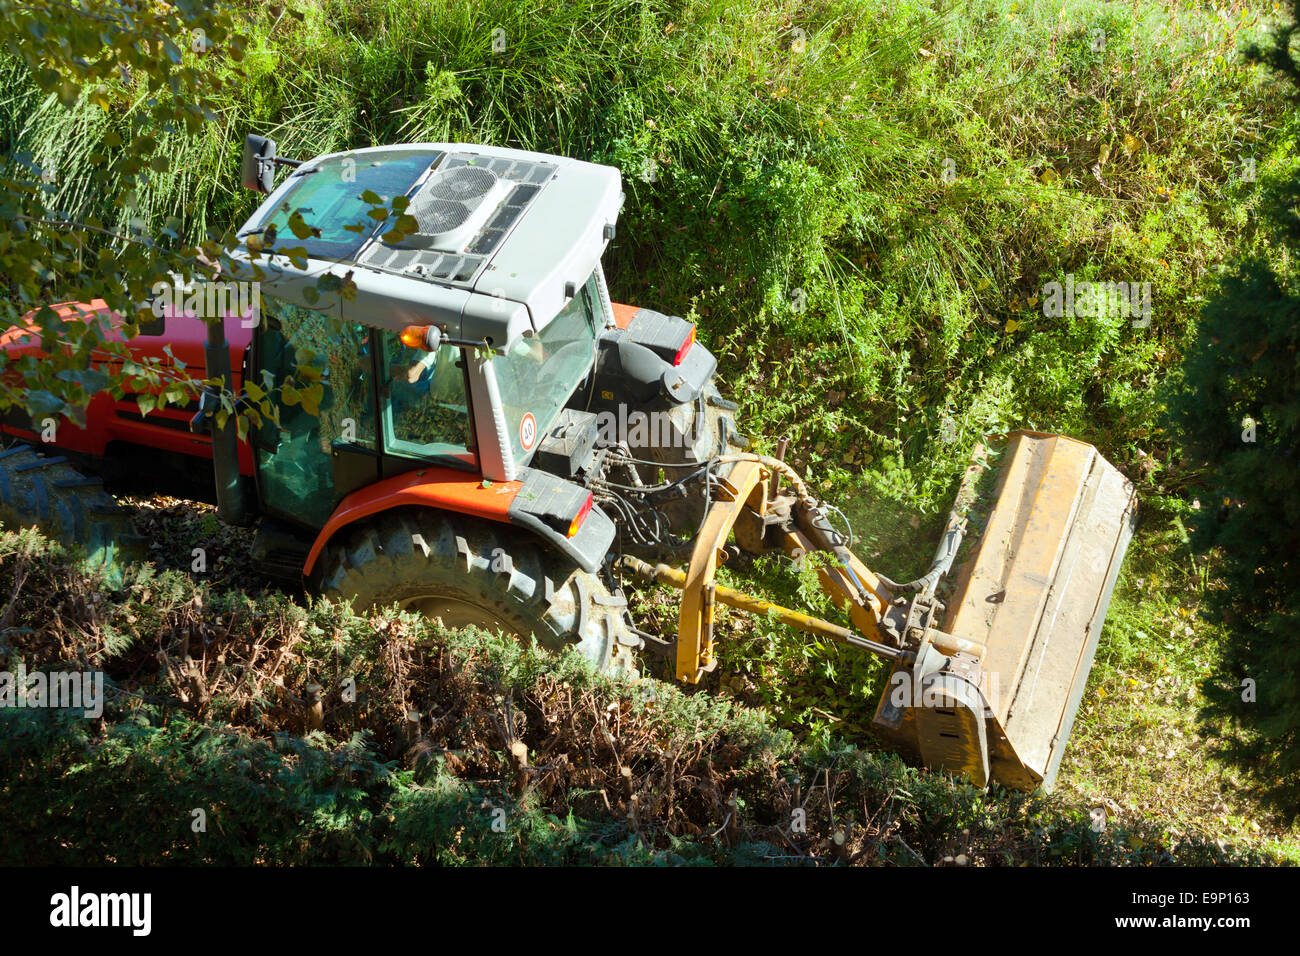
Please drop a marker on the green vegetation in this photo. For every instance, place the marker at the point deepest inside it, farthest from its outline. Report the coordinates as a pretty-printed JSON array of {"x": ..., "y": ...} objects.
[
  {"x": 98, "y": 88},
  {"x": 240, "y": 708},
  {"x": 861, "y": 205},
  {"x": 1238, "y": 411}
]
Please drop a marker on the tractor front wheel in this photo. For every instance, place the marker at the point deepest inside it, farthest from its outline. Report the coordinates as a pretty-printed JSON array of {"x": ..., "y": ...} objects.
[{"x": 466, "y": 571}]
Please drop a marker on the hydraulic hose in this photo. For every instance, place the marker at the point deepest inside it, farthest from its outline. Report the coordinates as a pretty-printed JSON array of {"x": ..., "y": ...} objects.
[
  {"x": 775, "y": 464},
  {"x": 940, "y": 565}
]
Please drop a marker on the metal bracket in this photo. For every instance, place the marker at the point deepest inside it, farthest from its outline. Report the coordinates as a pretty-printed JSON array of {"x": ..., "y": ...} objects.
[
  {"x": 695, "y": 622},
  {"x": 209, "y": 405}
]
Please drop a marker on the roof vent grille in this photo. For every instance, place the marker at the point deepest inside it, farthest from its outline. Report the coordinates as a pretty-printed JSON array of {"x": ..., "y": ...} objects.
[
  {"x": 439, "y": 215},
  {"x": 463, "y": 183},
  {"x": 465, "y": 208},
  {"x": 453, "y": 205}
]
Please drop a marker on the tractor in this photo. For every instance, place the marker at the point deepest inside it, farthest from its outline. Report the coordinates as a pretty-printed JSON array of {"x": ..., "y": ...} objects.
[{"x": 466, "y": 426}]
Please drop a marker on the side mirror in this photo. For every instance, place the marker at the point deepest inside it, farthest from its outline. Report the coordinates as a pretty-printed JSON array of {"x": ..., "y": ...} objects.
[{"x": 258, "y": 170}]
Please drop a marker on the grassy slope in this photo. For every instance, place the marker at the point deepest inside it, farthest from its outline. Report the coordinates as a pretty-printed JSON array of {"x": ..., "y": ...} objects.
[{"x": 791, "y": 200}]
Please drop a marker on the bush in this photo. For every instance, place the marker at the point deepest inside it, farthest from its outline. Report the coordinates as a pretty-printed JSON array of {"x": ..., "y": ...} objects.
[
  {"x": 455, "y": 747},
  {"x": 1240, "y": 415}
]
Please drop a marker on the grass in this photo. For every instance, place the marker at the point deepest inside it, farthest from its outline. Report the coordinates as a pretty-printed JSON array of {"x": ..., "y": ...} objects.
[
  {"x": 1139, "y": 740},
  {"x": 786, "y": 189}
]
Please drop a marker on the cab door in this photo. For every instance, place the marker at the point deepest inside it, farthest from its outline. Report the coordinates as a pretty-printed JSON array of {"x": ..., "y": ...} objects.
[{"x": 311, "y": 461}]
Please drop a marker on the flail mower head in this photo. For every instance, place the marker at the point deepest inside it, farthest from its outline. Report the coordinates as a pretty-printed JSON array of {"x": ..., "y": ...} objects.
[{"x": 1030, "y": 599}]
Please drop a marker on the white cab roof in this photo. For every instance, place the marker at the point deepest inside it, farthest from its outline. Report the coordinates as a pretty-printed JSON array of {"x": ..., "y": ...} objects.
[{"x": 504, "y": 236}]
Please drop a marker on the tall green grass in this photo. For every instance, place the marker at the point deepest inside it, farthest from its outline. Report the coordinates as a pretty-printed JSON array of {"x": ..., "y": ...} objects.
[{"x": 784, "y": 177}]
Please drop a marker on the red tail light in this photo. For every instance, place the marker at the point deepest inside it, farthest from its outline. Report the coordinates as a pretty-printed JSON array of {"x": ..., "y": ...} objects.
[
  {"x": 686, "y": 347},
  {"x": 580, "y": 517}
]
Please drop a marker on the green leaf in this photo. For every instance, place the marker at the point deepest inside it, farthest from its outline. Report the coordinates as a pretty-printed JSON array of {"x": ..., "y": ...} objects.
[
  {"x": 41, "y": 402},
  {"x": 90, "y": 379},
  {"x": 311, "y": 399},
  {"x": 299, "y": 227}
]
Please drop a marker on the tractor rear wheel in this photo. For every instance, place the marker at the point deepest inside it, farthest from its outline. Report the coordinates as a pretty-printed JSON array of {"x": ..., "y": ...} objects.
[
  {"x": 467, "y": 571},
  {"x": 47, "y": 493}
]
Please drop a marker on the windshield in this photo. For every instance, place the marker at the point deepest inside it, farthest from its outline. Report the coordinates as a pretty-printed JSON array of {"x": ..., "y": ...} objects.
[
  {"x": 329, "y": 197},
  {"x": 538, "y": 373}
]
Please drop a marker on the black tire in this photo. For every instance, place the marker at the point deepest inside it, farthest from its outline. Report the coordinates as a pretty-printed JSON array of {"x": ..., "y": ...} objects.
[
  {"x": 469, "y": 571},
  {"x": 44, "y": 492}
]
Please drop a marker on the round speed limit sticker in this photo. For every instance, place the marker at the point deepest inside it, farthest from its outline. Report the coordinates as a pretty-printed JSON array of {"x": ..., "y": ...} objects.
[{"x": 527, "y": 431}]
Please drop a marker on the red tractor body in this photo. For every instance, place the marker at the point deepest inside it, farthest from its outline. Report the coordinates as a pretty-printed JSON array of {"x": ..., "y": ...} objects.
[{"x": 110, "y": 420}]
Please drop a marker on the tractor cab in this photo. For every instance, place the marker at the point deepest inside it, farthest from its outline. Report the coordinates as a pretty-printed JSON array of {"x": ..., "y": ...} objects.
[
  {"x": 391, "y": 404},
  {"x": 458, "y": 344}
]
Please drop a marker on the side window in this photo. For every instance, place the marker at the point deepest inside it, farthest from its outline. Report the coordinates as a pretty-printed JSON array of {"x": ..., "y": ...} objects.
[
  {"x": 340, "y": 354},
  {"x": 427, "y": 409},
  {"x": 295, "y": 461},
  {"x": 538, "y": 374}
]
